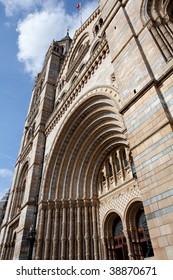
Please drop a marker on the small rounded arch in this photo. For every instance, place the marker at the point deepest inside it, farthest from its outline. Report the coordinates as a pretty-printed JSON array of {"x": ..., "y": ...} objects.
[
  {"x": 96, "y": 29},
  {"x": 82, "y": 66},
  {"x": 95, "y": 47},
  {"x": 63, "y": 94},
  {"x": 109, "y": 222},
  {"x": 101, "y": 22},
  {"x": 139, "y": 233},
  {"x": 74, "y": 78}
]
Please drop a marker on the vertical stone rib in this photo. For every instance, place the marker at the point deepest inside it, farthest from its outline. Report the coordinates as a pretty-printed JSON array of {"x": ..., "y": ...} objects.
[
  {"x": 48, "y": 234},
  {"x": 95, "y": 233},
  {"x": 114, "y": 167},
  {"x": 40, "y": 235},
  {"x": 87, "y": 232},
  {"x": 64, "y": 232},
  {"x": 160, "y": 42},
  {"x": 79, "y": 232},
  {"x": 121, "y": 164},
  {"x": 71, "y": 234},
  {"x": 166, "y": 35},
  {"x": 56, "y": 231},
  {"x": 105, "y": 252},
  {"x": 127, "y": 234}
]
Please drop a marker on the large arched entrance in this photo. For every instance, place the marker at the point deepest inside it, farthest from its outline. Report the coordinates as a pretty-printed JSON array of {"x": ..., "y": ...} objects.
[{"x": 69, "y": 207}]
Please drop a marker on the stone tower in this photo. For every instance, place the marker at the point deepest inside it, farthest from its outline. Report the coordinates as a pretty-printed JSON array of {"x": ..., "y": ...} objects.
[
  {"x": 25, "y": 190},
  {"x": 94, "y": 175}
]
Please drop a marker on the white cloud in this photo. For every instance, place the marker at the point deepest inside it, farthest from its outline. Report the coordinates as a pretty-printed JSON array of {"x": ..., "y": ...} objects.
[
  {"x": 39, "y": 28},
  {"x": 15, "y": 6},
  {"x": 6, "y": 173}
]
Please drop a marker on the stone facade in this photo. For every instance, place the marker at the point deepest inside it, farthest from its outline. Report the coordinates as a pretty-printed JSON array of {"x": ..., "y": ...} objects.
[{"x": 94, "y": 175}]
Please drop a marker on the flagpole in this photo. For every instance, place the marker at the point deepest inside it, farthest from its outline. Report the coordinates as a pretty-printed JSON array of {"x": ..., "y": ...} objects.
[
  {"x": 79, "y": 6},
  {"x": 81, "y": 13}
]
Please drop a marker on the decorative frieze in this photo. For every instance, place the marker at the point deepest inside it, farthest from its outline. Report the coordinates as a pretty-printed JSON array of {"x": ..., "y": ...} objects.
[{"x": 118, "y": 200}]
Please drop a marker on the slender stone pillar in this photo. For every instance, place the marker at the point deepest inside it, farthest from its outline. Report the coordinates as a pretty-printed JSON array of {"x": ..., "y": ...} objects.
[
  {"x": 72, "y": 234},
  {"x": 112, "y": 160},
  {"x": 48, "y": 233},
  {"x": 56, "y": 231},
  {"x": 129, "y": 247},
  {"x": 40, "y": 235},
  {"x": 121, "y": 164},
  {"x": 95, "y": 231},
  {"x": 64, "y": 232},
  {"x": 79, "y": 232},
  {"x": 105, "y": 252},
  {"x": 87, "y": 231}
]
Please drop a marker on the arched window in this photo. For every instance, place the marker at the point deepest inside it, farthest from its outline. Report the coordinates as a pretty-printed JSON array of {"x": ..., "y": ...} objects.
[
  {"x": 117, "y": 163},
  {"x": 110, "y": 169},
  {"x": 124, "y": 157},
  {"x": 96, "y": 29},
  {"x": 101, "y": 22}
]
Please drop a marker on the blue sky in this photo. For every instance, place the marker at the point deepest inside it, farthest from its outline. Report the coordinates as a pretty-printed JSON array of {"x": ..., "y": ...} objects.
[{"x": 27, "y": 28}]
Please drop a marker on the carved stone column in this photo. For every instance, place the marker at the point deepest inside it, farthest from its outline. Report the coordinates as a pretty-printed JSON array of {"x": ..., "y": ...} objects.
[
  {"x": 127, "y": 167},
  {"x": 129, "y": 245},
  {"x": 95, "y": 231},
  {"x": 112, "y": 160},
  {"x": 87, "y": 230},
  {"x": 72, "y": 233},
  {"x": 56, "y": 231},
  {"x": 121, "y": 172},
  {"x": 40, "y": 235},
  {"x": 104, "y": 246},
  {"x": 64, "y": 232},
  {"x": 48, "y": 232},
  {"x": 79, "y": 231}
]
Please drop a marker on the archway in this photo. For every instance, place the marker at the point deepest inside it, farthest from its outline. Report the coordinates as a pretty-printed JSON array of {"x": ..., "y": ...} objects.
[
  {"x": 138, "y": 232},
  {"x": 115, "y": 240},
  {"x": 70, "y": 208}
]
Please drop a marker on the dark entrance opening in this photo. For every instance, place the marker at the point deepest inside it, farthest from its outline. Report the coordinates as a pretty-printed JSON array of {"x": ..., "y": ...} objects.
[
  {"x": 116, "y": 245},
  {"x": 143, "y": 234}
]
